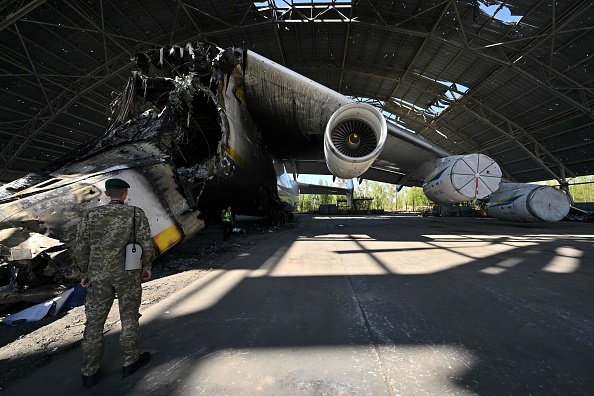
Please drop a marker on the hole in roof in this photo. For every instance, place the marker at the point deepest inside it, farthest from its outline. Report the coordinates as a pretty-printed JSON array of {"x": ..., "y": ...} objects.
[
  {"x": 450, "y": 93},
  {"x": 285, "y": 3},
  {"x": 380, "y": 104},
  {"x": 499, "y": 11},
  {"x": 411, "y": 106},
  {"x": 453, "y": 92}
]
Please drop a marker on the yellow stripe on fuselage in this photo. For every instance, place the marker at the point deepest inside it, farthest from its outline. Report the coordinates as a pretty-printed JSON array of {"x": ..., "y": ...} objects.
[
  {"x": 235, "y": 156},
  {"x": 167, "y": 238}
]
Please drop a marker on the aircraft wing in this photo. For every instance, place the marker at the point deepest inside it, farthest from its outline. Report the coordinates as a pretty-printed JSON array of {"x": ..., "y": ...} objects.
[
  {"x": 400, "y": 163},
  {"x": 297, "y": 110},
  {"x": 316, "y": 130}
]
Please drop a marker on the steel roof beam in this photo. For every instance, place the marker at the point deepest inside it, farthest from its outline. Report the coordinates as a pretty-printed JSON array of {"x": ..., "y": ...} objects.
[
  {"x": 520, "y": 136},
  {"x": 38, "y": 123},
  {"x": 505, "y": 61},
  {"x": 18, "y": 14},
  {"x": 279, "y": 40},
  {"x": 191, "y": 18},
  {"x": 22, "y": 77},
  {"x": 525, "y": 141},
  {"x": 584, "y": 107},
  {"x": 98, "y": 29}
]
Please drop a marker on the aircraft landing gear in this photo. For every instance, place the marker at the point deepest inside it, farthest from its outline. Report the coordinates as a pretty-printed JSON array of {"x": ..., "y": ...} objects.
[{"x": 277, "y": 218}]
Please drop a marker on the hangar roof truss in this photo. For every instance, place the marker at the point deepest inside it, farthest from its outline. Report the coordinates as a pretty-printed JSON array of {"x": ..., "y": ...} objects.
[{"x": 508, "y": 78}]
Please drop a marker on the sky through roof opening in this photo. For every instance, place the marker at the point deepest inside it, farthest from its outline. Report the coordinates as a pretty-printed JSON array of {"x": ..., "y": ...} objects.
[
  {"x": 285, "y": 3},
  {"x": 454, "y": 92},
  {"x": 499, "y": 11},
  {"x": 380, "y": 105}
]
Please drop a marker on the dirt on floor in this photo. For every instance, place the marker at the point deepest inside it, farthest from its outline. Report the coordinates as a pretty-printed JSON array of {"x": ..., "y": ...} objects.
[{"x": 22, "y": 345}]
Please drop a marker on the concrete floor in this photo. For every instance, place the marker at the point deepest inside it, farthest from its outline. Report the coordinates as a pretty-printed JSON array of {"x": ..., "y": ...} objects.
[{"x": 371, "y": 305}]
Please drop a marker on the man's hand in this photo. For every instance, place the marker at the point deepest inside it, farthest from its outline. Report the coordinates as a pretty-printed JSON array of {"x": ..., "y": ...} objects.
[
  {"x": 84, "y": 282},
  {"x": 146, "y": 275}
]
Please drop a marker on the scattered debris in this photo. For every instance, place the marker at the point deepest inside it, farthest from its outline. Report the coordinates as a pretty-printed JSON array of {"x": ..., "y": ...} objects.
[{"x": 70, "y": 298}]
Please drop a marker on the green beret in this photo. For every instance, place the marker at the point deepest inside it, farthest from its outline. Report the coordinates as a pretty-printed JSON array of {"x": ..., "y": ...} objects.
[{"x": 116, "y": 183}]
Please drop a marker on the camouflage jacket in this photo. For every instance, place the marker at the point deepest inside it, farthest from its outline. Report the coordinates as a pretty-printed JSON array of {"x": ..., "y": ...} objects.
[{"x": 102, "y": 236}]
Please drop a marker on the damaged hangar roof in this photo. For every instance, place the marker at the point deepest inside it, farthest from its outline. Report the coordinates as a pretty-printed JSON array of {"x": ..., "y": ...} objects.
[{"x": 510, "y": 79}]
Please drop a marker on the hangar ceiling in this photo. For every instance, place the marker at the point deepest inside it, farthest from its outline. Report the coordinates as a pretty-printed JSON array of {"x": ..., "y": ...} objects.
[{"x": 510, "y": 79}]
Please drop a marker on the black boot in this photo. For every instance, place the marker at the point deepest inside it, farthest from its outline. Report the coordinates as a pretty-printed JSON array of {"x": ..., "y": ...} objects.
[
  {"x": 89, "y": 381},
  {"x": 142, "y": 360}
]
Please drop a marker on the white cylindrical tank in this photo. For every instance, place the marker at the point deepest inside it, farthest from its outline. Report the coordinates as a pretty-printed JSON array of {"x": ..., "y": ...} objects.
[
  {"x": 529, "y": 202},
  {"x": 463, "y": 178}
]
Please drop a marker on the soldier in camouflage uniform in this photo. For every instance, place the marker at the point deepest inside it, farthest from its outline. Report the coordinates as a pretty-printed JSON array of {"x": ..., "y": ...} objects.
[{"x": 102, "y": 236}]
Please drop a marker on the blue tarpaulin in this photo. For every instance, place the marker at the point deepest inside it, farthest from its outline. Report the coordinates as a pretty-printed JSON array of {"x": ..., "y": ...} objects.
[{"x": 72, "y": 297}]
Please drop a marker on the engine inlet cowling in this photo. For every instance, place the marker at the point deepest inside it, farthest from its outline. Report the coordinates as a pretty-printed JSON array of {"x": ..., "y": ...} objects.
[
  {"x": 462, "y": 178},
  {"x": 528, "y": 202},
  {"x": 355, "y": 136}
]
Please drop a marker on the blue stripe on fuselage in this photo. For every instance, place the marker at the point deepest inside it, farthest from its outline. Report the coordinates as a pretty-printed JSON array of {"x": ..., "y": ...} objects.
[{"x": 435, "y": 176}]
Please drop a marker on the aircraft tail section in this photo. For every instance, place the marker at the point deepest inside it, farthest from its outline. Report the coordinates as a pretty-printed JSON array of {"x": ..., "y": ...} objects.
[{"x": 350, "y": 192}]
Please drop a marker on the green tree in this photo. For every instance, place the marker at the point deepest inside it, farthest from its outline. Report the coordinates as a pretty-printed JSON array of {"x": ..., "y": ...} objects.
[
  {"x": 415, "y": 199},
  {"x": 385, "y": 196},
  {"x": 582, "y": 188},
  {"x": 312, "y": 202}
]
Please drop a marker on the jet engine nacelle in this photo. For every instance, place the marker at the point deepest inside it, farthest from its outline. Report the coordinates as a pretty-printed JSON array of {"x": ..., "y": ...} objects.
[
  {"x": 462, "y": 178},
  {"x": 355, "y": 135},
  {"x": 528, "y": 202}
]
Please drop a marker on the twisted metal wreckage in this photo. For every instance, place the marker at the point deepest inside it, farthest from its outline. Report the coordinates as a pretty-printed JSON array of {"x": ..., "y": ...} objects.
[
  {"x": 168, "y": 136},
  {"x": 198, "y": 128}
]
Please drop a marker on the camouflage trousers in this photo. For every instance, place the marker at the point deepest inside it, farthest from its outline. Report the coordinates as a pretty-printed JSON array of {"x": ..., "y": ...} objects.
[{"x": 100, "y": 297}]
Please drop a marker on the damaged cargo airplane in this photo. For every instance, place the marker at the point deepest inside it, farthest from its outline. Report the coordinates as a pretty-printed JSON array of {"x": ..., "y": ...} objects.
[{"x": 198, "y": 128}]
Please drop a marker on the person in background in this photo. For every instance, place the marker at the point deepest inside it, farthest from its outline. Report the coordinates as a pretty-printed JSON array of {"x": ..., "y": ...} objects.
[
  {"x": 227, "y": 219},
  {"x": 100, "y": 254}
]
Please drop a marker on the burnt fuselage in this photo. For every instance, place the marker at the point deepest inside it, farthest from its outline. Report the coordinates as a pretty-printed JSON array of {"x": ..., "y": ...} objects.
[{"x": 181, "y": 135}]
